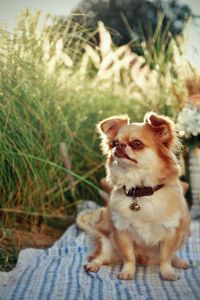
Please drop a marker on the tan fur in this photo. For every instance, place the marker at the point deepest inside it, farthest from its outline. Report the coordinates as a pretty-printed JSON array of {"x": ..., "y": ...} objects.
[
  {"x": 124, "y": 245},
  {"x": 109, "y": 128},
  {"x": 97, "y": 250},
  {"x": 153, "y": 234}
]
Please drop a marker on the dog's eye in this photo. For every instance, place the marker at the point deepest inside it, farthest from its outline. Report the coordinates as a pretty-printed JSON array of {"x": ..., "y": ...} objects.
[
  {"x": 136, "y": 144},
  {"x": 114, "y": 143}
]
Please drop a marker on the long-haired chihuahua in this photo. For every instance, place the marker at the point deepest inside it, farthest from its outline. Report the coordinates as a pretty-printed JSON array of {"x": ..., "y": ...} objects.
[{"x": 146, "y": 219}]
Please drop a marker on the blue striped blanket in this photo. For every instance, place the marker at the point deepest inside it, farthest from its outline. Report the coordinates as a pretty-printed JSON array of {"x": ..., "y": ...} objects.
[{"x": 57, "y": 273}]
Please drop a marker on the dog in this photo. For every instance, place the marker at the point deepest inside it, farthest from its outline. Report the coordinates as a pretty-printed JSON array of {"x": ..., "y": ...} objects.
[{"x": 146, "y": 219}]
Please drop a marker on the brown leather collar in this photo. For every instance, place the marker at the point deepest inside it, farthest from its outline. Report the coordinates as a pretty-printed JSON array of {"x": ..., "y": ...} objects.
[{"x": 142, "y": 191}]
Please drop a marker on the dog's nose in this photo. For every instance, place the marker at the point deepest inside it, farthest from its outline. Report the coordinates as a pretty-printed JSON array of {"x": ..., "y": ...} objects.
[{"x": 121, "y": 146}]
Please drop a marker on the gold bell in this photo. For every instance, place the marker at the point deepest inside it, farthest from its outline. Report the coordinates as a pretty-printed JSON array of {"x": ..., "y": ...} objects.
[{"x": 134, "y": 206}]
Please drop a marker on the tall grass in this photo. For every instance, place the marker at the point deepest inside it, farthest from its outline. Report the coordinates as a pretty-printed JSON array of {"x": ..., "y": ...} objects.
[{"x": 46, "y": 100}]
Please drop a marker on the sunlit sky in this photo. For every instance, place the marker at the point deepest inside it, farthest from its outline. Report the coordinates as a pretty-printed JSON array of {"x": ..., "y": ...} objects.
[{"x": 9, "y": 9}]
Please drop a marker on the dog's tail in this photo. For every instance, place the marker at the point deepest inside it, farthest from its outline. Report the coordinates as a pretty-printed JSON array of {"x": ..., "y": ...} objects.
[{"x": 87, "y": 220}]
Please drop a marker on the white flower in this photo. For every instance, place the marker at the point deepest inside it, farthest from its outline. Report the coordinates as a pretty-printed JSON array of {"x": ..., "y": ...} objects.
[{"x": 188, "y": 122}]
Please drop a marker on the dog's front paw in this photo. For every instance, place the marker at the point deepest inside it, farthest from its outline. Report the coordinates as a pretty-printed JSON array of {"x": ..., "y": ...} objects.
[
  {"x": 91, "y": 267},
  {"x": 124, "y": 275},
  {"x": 171, "y": 276}
]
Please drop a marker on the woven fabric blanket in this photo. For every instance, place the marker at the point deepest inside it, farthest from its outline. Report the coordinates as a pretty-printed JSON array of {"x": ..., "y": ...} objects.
[{"x": 57, "y": 273}]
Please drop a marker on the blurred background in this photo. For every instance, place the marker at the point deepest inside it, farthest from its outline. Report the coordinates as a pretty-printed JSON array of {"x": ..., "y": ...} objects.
[{"x": 66, "y": 65}]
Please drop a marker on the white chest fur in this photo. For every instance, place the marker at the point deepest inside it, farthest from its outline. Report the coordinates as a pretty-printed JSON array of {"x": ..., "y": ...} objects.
[{"x": 149, "y": 225}]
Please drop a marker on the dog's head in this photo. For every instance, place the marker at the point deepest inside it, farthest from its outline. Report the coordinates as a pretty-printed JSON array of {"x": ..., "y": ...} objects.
[{"x": 142, "y": 146}]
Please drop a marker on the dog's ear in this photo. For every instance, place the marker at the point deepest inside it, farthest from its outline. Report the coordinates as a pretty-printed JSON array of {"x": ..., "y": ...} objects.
[
  {"x": 108, "y": 129},
  {"x": 111, "y": 126},
  {"x": 163, "y": 128}
]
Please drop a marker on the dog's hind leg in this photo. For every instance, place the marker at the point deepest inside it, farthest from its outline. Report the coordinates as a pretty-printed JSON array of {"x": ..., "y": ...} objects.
[
  {"x": 180, "y": 263},
  {"x": 104, "y": 254}
]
